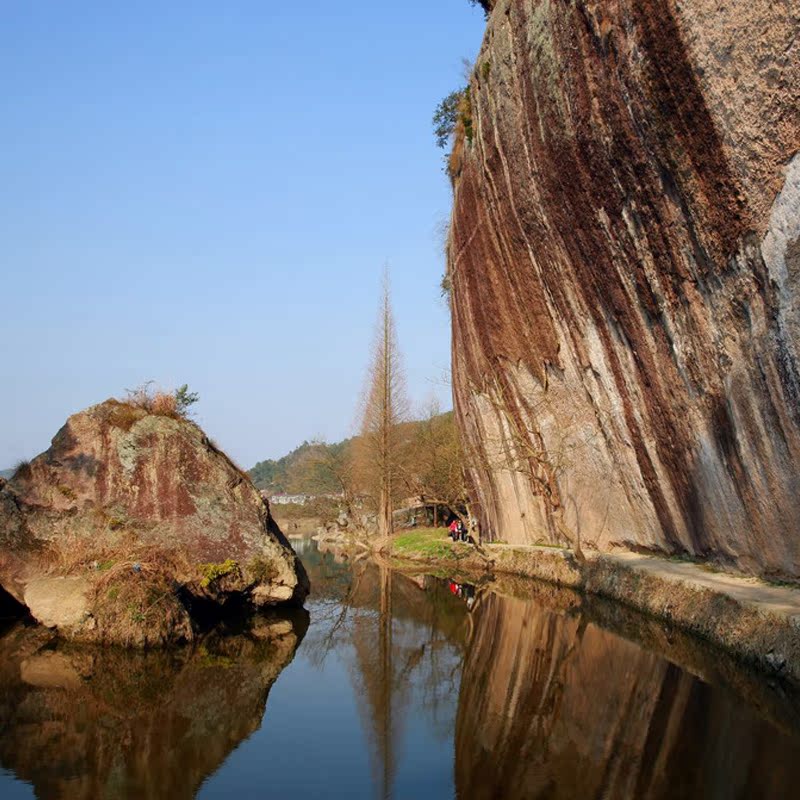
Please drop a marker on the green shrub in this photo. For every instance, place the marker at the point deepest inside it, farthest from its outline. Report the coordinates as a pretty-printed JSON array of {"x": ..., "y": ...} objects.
[{"x": 446, "y": 116}]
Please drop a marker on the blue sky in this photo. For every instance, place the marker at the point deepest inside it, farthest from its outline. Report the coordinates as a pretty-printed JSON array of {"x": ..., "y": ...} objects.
[{"x": 206, "y": 193}]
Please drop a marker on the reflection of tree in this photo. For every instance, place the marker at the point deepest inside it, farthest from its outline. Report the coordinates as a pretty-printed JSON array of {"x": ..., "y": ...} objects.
[
  {"x": 403, "y": 642},
  {"x": 375, "y": 674},
  {"x": 409, "y": 649}
]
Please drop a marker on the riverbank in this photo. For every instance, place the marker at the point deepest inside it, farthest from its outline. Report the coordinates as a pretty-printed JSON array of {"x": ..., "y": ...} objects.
[{"x": 756, "y": 621}]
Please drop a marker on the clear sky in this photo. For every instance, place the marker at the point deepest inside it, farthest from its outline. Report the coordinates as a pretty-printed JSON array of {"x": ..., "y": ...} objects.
[{"x": 206, "y": 193}]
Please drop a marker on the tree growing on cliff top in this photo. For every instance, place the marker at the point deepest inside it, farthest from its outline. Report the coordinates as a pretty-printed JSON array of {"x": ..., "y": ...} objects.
[
  {"x": 385, "y": 406},
  {"x": 486, "y": 5}
]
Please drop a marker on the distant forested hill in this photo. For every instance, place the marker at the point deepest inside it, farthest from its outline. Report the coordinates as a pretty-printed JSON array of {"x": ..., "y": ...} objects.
[
  {"x": 303, "y": 471},
  {"x": 318, "y": 468},
  {"x": 6, "y": 473}
]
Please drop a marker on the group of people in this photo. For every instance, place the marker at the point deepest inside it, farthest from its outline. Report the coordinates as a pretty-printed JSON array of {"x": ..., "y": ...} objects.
[
  {"x": 458, "y": 531},
  {"x": 466, "y": 591}
]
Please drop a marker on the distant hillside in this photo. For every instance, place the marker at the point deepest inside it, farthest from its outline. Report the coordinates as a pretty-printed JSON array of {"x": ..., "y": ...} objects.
[
  {"x": 302, "y": 471},
  {"x": 311, "y": 468},
  {"x": 6, "y": 473}
]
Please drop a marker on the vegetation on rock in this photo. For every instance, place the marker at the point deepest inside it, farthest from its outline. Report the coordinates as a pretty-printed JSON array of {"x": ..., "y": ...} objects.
[
  {"x": 213, "y": 572},
  {"x": 174, "y": 404},
  {"x": 453, "y": 125}
]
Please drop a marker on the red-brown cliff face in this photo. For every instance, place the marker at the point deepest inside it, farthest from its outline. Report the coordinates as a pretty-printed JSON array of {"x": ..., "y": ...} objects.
[{"x": 624, "y": 258}]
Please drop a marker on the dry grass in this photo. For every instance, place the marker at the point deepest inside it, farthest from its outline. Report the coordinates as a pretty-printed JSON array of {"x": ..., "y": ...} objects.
[
  {"x": 125, "y": 416},
  {"x": 140, "y": 402},
  {"x": 455, "y": 160},
  {"x": 22, "y": 470},
  {"x": 135, "y": 585},
  {"x": 138, "y": 606},
  {"x": 107, "y": 553},
  {"x": 164, "y": 405},
  {"x": 153, "y": 401}
]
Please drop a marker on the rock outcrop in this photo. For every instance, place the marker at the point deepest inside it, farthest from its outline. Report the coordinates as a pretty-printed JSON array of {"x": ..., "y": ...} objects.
[
  {"x": 624, "y": 258},
  {"x": 133, "y": 526}
]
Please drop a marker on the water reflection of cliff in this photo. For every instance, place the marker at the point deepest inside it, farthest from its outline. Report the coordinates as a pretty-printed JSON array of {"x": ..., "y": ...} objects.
[
  {"x": 102, "y": 723},
  {"x": 553, "y": 705}
]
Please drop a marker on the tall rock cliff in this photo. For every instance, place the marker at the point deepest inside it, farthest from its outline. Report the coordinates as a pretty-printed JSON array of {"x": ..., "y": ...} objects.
[{"x": 624, "y": 258}]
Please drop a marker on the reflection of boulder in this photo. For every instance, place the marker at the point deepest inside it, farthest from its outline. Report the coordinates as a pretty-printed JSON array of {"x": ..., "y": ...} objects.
[
  {"x": 84, "y": 722},
  {"x": 131, "y": 522},
  {"x": 552, "y": 705}
]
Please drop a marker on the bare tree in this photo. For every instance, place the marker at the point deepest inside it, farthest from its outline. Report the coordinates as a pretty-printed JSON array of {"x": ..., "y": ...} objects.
[
  {"x": 333, "y": 465},
  {"x": 521, "y": 447},
  {"x": 385, "y": 407},
  {"x": 433, "y": 467}
]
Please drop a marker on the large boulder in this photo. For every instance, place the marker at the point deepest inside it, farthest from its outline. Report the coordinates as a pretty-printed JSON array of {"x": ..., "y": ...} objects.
[{"x": 134, "y": 526}]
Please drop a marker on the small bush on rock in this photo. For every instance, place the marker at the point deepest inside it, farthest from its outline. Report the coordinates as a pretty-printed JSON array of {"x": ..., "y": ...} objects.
[
  {"x": 174, "y": 404},
  {"x": 22, "y": 470},
  {"x": 453, "y": 122}
]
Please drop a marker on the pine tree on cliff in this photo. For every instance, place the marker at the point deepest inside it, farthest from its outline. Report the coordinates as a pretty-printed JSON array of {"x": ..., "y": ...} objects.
[{"x": 385, "y": 407}]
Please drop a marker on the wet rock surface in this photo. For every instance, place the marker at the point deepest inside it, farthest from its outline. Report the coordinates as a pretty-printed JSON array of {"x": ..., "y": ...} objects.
[
  {"x": 623, "y": 258},
  {"x": 134, "y": 527}
]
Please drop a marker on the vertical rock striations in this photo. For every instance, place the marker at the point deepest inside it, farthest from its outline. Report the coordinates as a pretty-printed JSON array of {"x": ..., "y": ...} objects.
[
  {"x": 624, "y": 258},
  {"x": 553, "y": 705}
]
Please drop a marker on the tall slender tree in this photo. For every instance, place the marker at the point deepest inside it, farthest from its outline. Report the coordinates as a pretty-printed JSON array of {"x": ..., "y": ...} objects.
[{"x": 385, "y": 407}]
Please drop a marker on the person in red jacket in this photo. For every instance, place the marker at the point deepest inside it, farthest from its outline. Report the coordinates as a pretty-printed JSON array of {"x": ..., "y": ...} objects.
[{"x": 454, "y": 530}]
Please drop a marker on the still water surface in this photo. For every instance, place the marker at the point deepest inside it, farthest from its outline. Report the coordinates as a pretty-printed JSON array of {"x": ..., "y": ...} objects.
[{"x": 397, "y": 686}]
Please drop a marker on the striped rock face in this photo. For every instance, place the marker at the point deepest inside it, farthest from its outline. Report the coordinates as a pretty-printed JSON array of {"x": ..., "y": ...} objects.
[
  {"x": 137, "y": 521},
  {"x": 624, "y": 258}
]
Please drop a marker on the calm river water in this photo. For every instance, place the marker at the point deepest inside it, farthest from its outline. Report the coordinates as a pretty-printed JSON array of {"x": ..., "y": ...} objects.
[{"x": 397, "y": 686}]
